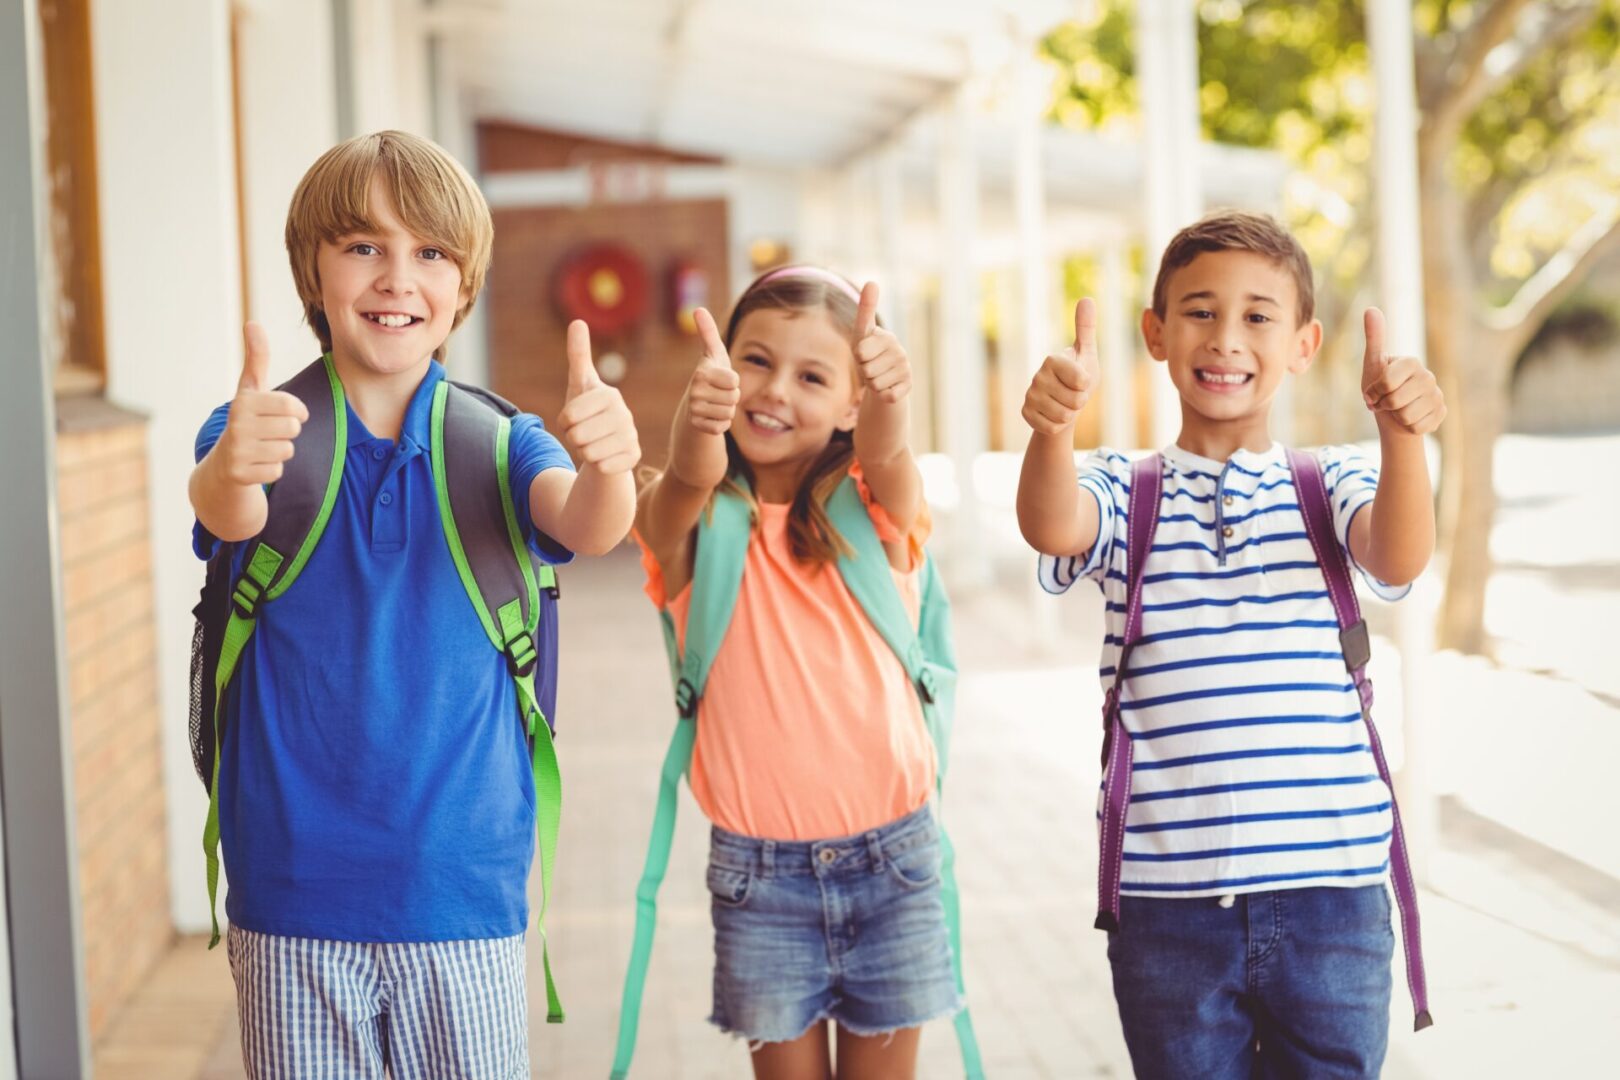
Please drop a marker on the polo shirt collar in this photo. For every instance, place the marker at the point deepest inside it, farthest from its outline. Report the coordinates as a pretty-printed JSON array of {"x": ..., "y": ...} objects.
[
  {"x": 1254, "y": 461},
  {"x": 415, "y": 432}
]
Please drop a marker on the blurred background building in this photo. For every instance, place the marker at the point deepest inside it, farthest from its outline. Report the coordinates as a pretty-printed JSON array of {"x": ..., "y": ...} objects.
[{"x": 986, "y": 161}]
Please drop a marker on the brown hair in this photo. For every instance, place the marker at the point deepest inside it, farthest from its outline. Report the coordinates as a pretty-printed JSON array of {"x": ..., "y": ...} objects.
[
  {"x": 811, "y": 535},
  {"x": 431, "y": 192},
  {"x": 1238, "y": 230}
]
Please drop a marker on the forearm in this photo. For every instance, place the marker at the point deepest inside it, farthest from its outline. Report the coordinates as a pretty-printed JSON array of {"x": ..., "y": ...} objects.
[
  {"x": 1052, "y": 513},
  {"x": 883, "y": 448},
  {"x": 597, "y": 513},
  {"x": 696, "y": 458},
  {"x": 228, "y": 510},
  {"x": 1400, "y": 526}
]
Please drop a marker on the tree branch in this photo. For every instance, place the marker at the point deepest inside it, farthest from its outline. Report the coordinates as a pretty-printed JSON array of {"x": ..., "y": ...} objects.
[
  {"x": 1518, "y": 320},
  {"x": 1559, "y": 28},
  {"x": 1466, "y": 65}
]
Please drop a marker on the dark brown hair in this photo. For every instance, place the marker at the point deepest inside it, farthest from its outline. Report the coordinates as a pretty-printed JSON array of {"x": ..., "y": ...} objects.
[
  {"x": 1238, "y": 230},
  {"x": 811, "y": 535}
]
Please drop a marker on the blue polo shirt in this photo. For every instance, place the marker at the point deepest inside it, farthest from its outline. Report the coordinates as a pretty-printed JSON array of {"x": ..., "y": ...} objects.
[{"x": 374, "y": 782}]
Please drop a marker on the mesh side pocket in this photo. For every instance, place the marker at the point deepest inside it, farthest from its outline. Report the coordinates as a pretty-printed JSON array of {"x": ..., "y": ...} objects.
[{"x": 201, "y": 728}]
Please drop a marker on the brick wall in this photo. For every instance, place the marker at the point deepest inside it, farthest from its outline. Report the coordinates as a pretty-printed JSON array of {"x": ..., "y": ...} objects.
[
  {"x": 112, "y": 678},
  {"x": 527, "y": 359}
]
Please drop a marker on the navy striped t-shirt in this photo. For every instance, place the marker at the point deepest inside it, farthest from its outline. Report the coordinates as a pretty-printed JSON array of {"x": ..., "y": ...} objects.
[{"x": 1252, "y": 769}]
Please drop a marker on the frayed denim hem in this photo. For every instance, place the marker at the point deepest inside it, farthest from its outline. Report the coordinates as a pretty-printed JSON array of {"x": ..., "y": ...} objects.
[{"x": 756, "y": 1042}]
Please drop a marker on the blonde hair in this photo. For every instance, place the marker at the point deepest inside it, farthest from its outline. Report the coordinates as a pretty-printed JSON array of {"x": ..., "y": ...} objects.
[
  {"x": 811, "y": 535},
  {"x": 432, "y": 194}
]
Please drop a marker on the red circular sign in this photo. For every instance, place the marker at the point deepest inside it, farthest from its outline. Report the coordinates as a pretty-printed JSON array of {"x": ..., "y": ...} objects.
[{"x": 605, "y": 284}]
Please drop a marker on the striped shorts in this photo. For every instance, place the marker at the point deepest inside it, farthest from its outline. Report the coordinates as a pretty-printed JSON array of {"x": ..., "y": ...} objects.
[{"x": 438, "y": 1010}]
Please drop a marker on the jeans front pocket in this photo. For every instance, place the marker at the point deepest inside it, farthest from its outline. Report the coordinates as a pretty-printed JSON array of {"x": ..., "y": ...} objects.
[
  {"x": 917, "y": 867},
  {"x": 729, "y": 887}
]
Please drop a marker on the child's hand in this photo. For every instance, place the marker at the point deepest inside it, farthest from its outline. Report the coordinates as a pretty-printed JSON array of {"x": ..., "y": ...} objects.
[
  {"x": 594, "y": 416},
  {"x": 1064, "y": 383},
  {"x": 885, "y": 368},
  {"x": 1400, "y": 391},
  {"x": 715, "y": 389},
  {"x": 262, "y": 424}
]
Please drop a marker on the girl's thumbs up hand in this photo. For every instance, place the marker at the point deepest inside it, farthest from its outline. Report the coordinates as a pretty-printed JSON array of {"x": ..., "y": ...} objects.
[
  {"x": 884, "y": 366},
  {"x": 262, "y": 424},
  {"x": 715, "y": 389},
  {"x": 1063, "y": 385},
  {"x": 1400, "y": 391},
  {"x": 595, "y": 419}
]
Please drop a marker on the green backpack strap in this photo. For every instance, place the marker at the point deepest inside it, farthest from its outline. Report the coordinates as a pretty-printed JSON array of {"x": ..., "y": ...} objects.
[
  {"x": 717, "y": 569},
  {"x": 929, "y": 658},
  {"x": 470, "y": 438},
  {"x": 300, "y": 505}
]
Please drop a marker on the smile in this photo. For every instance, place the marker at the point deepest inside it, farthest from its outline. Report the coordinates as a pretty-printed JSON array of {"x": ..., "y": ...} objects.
[
  {"x": 392, "y": 320},
  {"x": 766, "y": 422},
  {"x": 1222, "y": 379}
]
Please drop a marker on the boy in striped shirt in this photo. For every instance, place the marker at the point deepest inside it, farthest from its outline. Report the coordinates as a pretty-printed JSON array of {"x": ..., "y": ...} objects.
[{"x": 1253, "y": 931}]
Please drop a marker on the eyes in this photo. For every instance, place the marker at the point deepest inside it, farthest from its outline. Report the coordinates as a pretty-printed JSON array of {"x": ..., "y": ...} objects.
[
  {"x": 809, "y": 375},
  {"x": 1254, "y": 318},
  {"x": 365, "y": 248}
]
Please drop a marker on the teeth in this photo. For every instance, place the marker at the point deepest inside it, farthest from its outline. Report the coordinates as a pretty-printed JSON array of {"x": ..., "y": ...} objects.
[
  {"x": 769, "y": 423},
  {"x": 392, "y": 320},
  {"x": 1234, "y": 379}
]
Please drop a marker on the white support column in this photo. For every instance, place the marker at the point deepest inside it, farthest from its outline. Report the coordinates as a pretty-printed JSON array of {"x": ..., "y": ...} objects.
[
  {"x": 1118, "y": 354},
  {"x": 1167, "y": 75},
  {"x": 891, "y": 248},
  {"x": 960, "y": 350},
  {"x": 1400, "y": 285}
]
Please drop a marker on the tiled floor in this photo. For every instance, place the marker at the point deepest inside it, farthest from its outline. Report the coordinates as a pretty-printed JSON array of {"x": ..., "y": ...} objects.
[{"x": 1524, "y": 949}]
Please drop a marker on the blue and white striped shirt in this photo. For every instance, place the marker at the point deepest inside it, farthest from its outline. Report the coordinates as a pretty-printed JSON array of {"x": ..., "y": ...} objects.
[{"x": 1252, "y": 769}]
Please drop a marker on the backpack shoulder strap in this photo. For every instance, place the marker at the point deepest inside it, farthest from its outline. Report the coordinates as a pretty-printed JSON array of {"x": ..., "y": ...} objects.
[{"x": 1318, "y": 514}]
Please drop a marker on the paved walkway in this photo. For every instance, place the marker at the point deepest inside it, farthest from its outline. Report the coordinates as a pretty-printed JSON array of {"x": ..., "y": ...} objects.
[{"x": 1524, "y": 945}]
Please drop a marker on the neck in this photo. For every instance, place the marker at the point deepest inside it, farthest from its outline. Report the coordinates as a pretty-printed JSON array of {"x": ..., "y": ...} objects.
[
  {"x": 1219, "y": 440},
  {"x": 779, "y": 481},
  {"x": 379, "y": 400}
]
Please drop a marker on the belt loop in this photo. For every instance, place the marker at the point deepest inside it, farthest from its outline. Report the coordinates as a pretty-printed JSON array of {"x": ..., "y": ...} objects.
[
  {"x": 768, "y": 857},
  {"x": 874, "y": 849}
]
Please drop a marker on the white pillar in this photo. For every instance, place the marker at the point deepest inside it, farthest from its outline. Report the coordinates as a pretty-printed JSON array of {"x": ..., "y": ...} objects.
[
  {"x": 891, "y": 250},
  {"x": 1118, "y": 354},
  {"x": 1167, "y": 62},
  {"x": 960, "y": 350},
  {"x": 1400, "y": 285}
]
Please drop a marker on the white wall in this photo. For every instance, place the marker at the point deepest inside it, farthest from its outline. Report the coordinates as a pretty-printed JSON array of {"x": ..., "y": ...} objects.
[{"x": 172, "y": 311}]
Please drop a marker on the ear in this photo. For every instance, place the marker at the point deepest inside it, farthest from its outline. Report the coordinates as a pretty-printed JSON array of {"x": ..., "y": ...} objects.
[
  {"x": 1153, "y": 335},
  {"x": 1308, "y": 341}
]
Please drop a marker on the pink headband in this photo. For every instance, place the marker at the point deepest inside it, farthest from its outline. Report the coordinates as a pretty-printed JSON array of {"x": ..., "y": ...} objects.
[{"x": 827, "y": 277}]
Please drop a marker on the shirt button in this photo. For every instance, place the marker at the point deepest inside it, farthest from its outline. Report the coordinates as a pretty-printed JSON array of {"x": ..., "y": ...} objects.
[
  {"x": 387, "y": 499},
  {"x": 1227, "y": 501},
  {"x": 828, "y": 856},
  {"x": 1226, "y": 532},
  {"x": 379, "y": 453}
]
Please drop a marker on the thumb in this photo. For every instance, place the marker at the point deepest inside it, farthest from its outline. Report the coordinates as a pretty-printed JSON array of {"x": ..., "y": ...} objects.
[
  {"x": 582, "y": 374},
  {"x": 714, "y": 350},
  {"x": 866, "y": 312},
  {"x": 1373, "y": 361},
  {"x": 1085, "y": 327},
  {"x": 255, "y": 358}
]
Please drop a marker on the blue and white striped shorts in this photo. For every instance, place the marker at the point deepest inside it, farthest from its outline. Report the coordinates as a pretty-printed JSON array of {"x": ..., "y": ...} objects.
[{"x": 437, "y": 1010}]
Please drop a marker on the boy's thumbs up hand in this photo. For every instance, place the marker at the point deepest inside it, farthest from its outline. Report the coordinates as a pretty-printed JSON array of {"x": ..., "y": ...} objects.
[
  {"x": 262, "y": 424},
  {"x": 715, "y": 389},
  {"x": 1400, "y": 391},
  {"x": 595, "y": 418},
  {"x": 1063, "y": 385},
  {"x": 884, "y": 366}
]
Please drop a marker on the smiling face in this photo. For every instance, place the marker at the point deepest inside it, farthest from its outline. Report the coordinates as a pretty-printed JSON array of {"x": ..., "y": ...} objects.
[
  {"x": 798, "y": 387},
  {"x": 390, "y": 297},
  {"x": 1230, "y": 333}
]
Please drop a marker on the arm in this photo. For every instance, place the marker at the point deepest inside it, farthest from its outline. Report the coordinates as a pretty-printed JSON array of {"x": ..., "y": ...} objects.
[
  {"x": 883, "y": 425},
  {"x": 591, "y": 511},
  {"x": 227, "y": 486},
  {"x": 1393, "y": 538},
  {"x": 670, "y": 505},
  {"x": 1053, "y": 515}
]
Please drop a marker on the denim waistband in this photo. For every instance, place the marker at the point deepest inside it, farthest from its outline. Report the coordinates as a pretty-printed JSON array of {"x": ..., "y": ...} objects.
[{"x": 845, "y": 854}]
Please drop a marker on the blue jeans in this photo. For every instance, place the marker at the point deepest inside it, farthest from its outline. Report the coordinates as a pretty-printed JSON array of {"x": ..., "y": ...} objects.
[
  {"x": 1292, "y": 983},
  {"x": 849, "y": 929}
]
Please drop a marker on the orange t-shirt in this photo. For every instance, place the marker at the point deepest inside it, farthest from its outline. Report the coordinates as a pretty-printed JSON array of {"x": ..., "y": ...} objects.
[{"x": 808, "y": 727}]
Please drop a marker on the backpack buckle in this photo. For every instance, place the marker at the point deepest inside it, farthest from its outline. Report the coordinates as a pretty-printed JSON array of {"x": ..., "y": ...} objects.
[
  {"x": 926, "y": 688},
  {"x": 521, "y": 655},
  {"x": 245, "y": 597},
  {"x": 1357, "y": 647},
  {"x": 686, "y": 699}
]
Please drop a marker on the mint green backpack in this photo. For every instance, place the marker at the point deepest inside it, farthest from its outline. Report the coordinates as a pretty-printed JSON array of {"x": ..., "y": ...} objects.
[{"x": 927, "y": 652}]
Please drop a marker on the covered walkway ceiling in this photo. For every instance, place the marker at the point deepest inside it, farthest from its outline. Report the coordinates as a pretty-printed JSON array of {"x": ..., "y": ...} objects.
[{"x": 793, "y": 83}]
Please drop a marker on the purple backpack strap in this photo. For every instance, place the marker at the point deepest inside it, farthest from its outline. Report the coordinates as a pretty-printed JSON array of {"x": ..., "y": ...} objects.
[
  {"x": 1318, "y": 515},
  {"x": 1142, "y": 519}
]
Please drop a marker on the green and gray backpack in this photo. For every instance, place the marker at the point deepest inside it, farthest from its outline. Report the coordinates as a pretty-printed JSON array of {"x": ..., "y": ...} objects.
[
  {"x": 513, "y": 594},
  {"x": 927, "y": 652}
]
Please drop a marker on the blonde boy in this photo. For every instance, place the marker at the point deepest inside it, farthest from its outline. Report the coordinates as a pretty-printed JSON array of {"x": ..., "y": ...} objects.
[
  {"x": 1253, "y": 928},
  {"x": 376, "y": 807}
]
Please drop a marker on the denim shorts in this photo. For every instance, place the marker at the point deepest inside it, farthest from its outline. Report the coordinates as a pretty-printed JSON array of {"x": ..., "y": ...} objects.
[
  {"x": 851, "y": 929},
  {"x": 1292, "y": 983}
]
